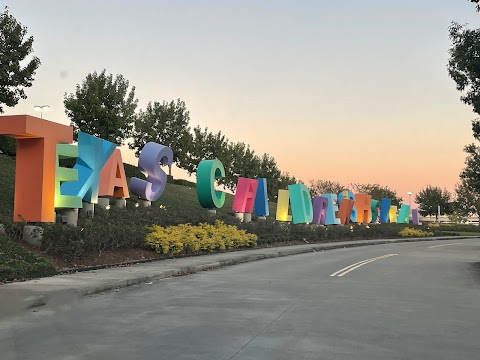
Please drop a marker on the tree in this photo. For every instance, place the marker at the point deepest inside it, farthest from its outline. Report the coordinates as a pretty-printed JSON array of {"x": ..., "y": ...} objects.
[
  {"x": 464, "y": 67},
  {"x": 243, "y": 162},
  {"x": 319, "y": 187},
  {"x": 269, "y": 170},
  {"x": 476, "y": 2},
  {"x": 167, "y": 124},
  {"x": 467, "y": 199},
  {"x": 378, "y": 192},
  {"x": 102, "y": 106},
  {"x": 430, "y": 198},
  {"x": 16, "y": 71},
  {"x": 206, "y": 145},
  {"x": 285, "y": 180}
]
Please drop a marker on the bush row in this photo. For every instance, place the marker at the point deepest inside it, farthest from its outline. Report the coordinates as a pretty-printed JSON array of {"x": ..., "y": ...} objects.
[
  {"x": 193, "y": 238},
  {"x": 125, "y": 229}
]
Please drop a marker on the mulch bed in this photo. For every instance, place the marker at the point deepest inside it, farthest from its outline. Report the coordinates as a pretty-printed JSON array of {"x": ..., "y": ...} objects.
[{"x": 123, "y": 257}]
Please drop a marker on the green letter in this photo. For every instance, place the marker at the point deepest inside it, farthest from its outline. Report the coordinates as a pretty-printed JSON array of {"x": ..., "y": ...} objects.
[{"x": 207, "y": 172}]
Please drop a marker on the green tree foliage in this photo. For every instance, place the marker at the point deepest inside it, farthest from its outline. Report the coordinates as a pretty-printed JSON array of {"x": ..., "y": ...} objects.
[
  {"x": 165, "y": 123},
  {"x": 319, "y": 187},
  {"x": 285, "y": 180},
  {"x": 16, "y": 71},
  {"x": 378, "y": 192},
  {"x": 467, "y": 199},
  {"x": 243, "y": 162},
  {"x": 206, "y": 145},
  {"x": 270, "y": 171},
  {"x": 102, "y": 106},
  {"x": 430, "y": 198},
  {"x": 8, "y": 145},
  {"x": 238, "y": 159},
  {"x": 472, "y": 167},
  {"x": 464, "y": 66}
]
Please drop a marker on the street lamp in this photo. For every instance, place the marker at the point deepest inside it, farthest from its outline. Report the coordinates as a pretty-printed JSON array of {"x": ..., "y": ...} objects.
[
  {"x": 410, "y": 198},
  {"x": 41, "y": 108}
]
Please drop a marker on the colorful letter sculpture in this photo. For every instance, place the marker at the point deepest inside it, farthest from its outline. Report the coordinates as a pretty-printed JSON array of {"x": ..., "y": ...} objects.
[
  {"x": 415, "y": 217},
  {"x": 374, "y": 209},
  {"x": 93, "y": 153},
  {"x": 65, "y": 174},
  {"x": 349, "y": 195},
  {"x": 392, "y": 215},
  {"x": 404, "y": 214},
  {"x": 345, "y": 211},
  {"x": 330, "y": 218},
  {"x": 151, "y": 157},
  {"x": 283, "y": 201},
  {"x": 113, "y": 181},
  {"x": 207, "y": 172},
  {"x": 301, "y": 203},
  {"x": 320, "y": 206},
  {"x": 245, "y": 195},
  {"x": 261, "y": 200},
  {"x": 35, "y": 174},
  {"x": 364, "y": 211},
  {"x": 384, "y": 210}
]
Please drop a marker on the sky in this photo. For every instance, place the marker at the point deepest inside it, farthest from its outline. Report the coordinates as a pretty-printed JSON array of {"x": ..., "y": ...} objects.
[{"x": 351, "y": 91}]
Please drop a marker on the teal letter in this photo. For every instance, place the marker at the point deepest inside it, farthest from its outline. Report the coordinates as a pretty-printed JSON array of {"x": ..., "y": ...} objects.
[
  {"x": 301, "y": 204},
  {"x": 93, "y": 153},
  {"x": 374, "y": 208},
  {"x": 207, "y": 172},
  {"x": 404, "y": 214}
]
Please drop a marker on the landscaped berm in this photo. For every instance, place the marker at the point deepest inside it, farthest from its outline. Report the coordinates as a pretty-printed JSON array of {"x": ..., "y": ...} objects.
[{"x": 175, "y": 225}]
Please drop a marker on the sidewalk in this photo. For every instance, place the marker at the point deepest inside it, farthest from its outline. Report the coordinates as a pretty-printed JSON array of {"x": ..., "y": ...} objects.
[{"x": 62, "y": 289}]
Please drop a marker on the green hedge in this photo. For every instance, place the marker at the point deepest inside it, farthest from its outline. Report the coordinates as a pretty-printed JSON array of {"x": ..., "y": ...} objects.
[
  {"x": 16, "y": 262},
  {"x": 127, "y": 228}
]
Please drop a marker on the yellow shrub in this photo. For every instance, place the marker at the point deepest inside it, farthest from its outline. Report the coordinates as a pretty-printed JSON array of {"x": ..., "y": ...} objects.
[
  {"x": 410, "y": 232},
  {"x": 220, "y": 236}
]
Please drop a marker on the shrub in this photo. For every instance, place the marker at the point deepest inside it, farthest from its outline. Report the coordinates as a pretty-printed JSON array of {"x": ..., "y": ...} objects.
[
  {"x": 193, "y": 238},
  {"x": 410, "y": 232},
  {"x": 17, "y": 262}
]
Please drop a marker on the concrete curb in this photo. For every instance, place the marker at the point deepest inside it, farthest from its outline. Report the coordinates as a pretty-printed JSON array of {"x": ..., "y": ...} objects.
[{"x": 31, "y": 294}]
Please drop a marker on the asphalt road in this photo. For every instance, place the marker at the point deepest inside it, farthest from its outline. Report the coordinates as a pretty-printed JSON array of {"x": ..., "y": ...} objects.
[{"x": 422, "y": 301}]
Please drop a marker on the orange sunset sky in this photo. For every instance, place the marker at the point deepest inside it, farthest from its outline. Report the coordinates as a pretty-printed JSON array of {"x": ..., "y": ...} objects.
[{"x": 353, "y": 91}]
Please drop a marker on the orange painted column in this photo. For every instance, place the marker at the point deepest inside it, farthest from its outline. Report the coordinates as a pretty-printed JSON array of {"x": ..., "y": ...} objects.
[
  {"x": 35, "y": 164},
  {"x": 345, "y": 211},
  {"x": 364, "y": 208}
]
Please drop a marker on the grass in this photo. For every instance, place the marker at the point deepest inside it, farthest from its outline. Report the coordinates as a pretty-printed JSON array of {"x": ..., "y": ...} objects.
[{"x": 17, "y": 262}]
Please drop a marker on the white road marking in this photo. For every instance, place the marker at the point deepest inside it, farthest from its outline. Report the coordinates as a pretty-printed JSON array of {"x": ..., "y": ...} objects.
[
  {"x": 434, "y": 246},
  {"x": 352, "y": 267},
  {"x": 349, "y": 266}
]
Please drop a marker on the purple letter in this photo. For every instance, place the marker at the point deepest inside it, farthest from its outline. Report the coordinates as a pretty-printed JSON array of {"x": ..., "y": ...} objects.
[
  {"x": 320, "y": 205},
  {"x": 152, "y": 156}
]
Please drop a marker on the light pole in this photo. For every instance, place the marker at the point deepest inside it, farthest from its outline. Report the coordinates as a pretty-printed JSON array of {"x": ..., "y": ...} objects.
[
  {"x": 410, "y": 198},
  {"x": 41, "y": 108}
]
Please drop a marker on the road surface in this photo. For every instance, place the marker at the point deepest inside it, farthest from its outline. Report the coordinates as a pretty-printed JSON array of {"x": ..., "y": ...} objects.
[{"x": 396, "y": 301}]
